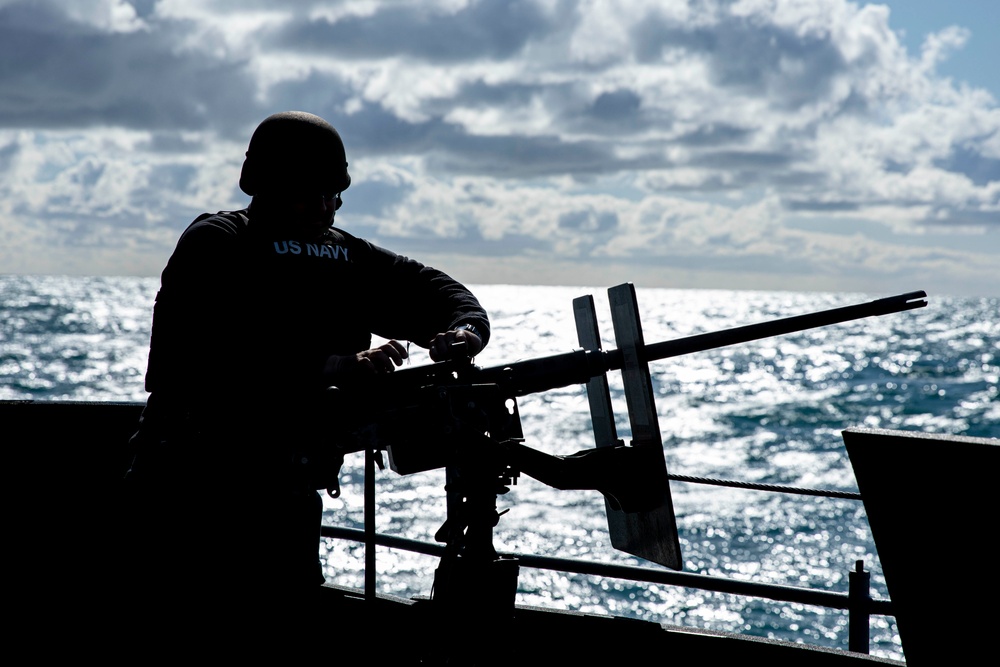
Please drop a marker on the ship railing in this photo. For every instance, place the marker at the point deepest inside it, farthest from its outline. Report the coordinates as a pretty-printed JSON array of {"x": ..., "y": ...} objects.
[{"x": 858, "y": 602}]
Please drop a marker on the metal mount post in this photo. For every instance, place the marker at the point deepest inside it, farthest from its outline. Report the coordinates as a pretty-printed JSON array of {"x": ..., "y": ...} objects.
[{"x": 859, "y": 599}]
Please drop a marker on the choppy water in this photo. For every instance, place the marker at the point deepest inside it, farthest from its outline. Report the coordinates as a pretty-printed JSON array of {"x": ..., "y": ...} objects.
[{"x": 769, "y": 411}]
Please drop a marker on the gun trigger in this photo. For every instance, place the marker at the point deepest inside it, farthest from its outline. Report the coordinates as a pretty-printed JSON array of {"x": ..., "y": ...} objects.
[
  {"x": 334, "y": 491},
  {"x": 379, "y": 460}
]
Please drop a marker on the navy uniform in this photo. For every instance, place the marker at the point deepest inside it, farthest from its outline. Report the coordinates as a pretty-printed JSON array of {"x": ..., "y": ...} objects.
[{"x": 254, "y": 308}]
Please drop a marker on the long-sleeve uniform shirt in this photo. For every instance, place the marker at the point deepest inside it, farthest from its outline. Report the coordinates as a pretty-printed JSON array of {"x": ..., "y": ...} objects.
[{"x": 243, "y": 310}]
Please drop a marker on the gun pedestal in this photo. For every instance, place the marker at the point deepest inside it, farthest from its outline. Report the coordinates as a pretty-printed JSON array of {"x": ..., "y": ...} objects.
[
  {"x": 474, "y": 588},
  {"x": 465, "y": 427},
  {"x": 473, "y": 593}
]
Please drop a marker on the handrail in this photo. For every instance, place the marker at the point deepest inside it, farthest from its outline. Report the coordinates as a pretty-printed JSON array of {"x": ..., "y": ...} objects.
[
  {"x": 857, "y": 601},
  {"x": 706, "y": 582}
]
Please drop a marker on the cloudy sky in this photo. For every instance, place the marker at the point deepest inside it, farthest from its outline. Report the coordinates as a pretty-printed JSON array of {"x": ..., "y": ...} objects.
[{"x": 766, "y": 144}]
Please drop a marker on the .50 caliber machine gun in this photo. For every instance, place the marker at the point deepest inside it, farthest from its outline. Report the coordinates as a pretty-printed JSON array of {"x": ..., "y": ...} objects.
[{"x": 464, "y": 418}]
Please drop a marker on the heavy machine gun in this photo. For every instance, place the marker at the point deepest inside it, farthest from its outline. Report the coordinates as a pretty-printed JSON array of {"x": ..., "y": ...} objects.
[
  {"x": 447, "y": 399},
  {"x": 464, "y": 418}
]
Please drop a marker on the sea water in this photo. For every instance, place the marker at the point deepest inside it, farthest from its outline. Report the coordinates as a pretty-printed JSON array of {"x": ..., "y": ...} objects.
[{"x": 769, "y": 411}]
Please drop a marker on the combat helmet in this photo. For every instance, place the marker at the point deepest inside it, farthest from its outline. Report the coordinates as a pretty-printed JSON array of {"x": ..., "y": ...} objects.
[{"x": 295, "y": 150}]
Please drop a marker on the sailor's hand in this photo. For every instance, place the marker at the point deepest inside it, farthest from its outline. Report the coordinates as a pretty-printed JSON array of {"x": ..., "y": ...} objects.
[
  {"x": 340, "y": 369},
  {"x": 443, "y": 346}
]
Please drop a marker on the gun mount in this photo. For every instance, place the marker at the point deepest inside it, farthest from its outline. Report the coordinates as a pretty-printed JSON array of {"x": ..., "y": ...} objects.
[
  {"x": 444, "y": 400},
  {"x": 464, "y": 418}
]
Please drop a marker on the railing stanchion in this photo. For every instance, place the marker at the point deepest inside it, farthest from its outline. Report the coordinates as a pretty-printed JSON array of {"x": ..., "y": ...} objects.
[
  {"x": 370, "y": 537},
  {"x": 859, "y": 599}
]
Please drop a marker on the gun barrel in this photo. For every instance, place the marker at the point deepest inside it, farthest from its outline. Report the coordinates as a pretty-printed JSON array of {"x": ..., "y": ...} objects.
[
  {"x": 530, "y": 376},
  {"x": 534, "y": 375},
  {"x": 725, "y": 337}
]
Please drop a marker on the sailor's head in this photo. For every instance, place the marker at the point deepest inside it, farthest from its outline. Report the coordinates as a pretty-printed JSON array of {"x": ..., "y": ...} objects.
[{"x": 297, "y": 159}]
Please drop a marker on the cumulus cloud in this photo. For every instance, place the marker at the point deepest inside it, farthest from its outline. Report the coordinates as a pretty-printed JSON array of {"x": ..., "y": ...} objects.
[
  {"x": 725, "y": 134},
  {"x": 78, "y": 70}
]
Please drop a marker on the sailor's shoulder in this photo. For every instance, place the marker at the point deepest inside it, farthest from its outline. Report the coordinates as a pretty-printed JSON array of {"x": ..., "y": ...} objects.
[
  {"x": 230, "y": 221},
  {"x": 217, "y": 226}
]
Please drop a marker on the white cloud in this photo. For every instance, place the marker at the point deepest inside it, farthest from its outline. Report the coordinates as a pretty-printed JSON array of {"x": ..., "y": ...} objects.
[
  {"x": 938, "y": 46},
  {"x": 708, "y": 133}
]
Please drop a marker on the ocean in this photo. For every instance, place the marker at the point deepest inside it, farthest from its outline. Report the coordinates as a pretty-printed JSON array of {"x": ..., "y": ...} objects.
[{"x": 769, "y": 411}]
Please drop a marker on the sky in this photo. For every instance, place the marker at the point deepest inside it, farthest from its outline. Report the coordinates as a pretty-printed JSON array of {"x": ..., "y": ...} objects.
[{"x": 816, "y": 145}]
